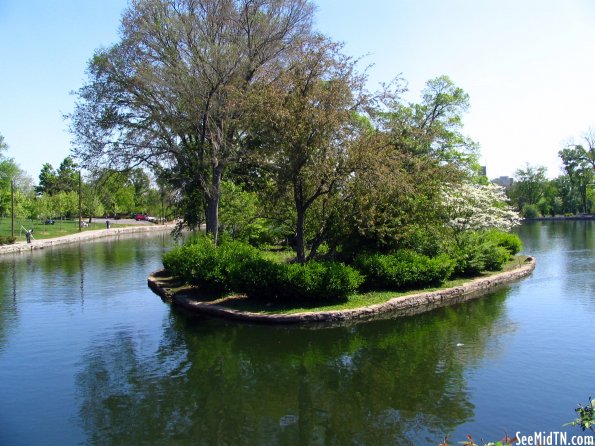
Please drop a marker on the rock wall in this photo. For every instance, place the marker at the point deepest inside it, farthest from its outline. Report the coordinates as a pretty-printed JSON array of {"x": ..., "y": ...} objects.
[{"x": 398, "y": 306}]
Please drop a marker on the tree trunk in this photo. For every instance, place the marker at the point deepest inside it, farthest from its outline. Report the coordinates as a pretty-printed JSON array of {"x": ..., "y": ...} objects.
[
  {"x": 213, "y": 203},
  {"x": 300, "y": 248}
]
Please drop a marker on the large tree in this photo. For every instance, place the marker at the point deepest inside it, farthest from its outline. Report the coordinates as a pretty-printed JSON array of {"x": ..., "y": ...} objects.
[
  {"x": 170, "y": 93},
  {"x": 529, "y": 185},
  {"x": 580, "y": 171},
  {"x": 304, "y": 126},
  {"x": 431, "y": 127}
]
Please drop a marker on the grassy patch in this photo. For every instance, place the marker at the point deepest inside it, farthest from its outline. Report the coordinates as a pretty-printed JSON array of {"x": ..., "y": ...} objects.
[{"x": 42, "y": 231}]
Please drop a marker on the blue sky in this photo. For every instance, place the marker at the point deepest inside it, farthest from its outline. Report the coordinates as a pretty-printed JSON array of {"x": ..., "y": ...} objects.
[{"x": 527, "y": 65}]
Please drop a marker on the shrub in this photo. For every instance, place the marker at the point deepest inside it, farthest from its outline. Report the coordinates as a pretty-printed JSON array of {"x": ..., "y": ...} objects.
[
  {"x": 530, "y": 211},
  {"x": 265, "y": 279},
  {"x": 404, "y": 269},
  {"x": 258, "y": 278},
  {"x": 493, "y": 256},
  {"x": 200, "y": 262},
  {"x": 507, "y": 240},
  {"x": 488, "y": 251},
  {"x": 7, "y": 240},
  {"x": 320, "y": 281}
]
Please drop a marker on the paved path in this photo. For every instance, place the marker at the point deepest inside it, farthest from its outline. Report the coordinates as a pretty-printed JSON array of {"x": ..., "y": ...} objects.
[{"x": 114, "y": 230}]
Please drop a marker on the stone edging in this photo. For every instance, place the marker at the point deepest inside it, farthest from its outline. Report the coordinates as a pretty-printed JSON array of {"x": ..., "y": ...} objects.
[
  {"x": 81, "y": 236},
  {"x": 398, "y": 306}
]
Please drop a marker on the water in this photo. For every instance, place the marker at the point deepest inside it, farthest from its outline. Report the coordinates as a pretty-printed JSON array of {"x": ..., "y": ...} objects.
[{"x": 88, "y": 355}]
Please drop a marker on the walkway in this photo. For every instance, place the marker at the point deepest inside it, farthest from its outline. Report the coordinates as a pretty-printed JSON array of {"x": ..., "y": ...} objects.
[{"x": 21, "y": 246}]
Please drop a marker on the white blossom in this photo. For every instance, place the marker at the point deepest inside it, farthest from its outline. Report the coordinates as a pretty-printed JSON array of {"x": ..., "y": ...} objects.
[{"x": 475, "y": 207}]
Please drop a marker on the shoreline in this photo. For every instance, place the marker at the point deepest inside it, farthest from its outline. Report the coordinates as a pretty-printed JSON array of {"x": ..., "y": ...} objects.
[
  {"x": 419, "y": 302},
  {"x": 114, "y": 231},
  {"x": 562, "y": 218}
]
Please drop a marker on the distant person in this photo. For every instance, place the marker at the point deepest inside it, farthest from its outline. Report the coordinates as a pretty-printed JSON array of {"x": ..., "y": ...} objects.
[
  {"x": 28, "y": 233},
  {"x": 107, "y": 224}
]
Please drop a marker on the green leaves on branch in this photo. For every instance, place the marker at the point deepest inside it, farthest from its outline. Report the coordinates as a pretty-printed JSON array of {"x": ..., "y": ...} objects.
[{"x": 585, "y": 416}]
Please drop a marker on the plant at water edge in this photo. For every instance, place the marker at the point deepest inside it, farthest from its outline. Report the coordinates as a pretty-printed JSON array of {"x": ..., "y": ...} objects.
[
  {"x": 506, "y": 441},
  {"x": 7, "y": 240},
  {"x": 586, "y": 416}
]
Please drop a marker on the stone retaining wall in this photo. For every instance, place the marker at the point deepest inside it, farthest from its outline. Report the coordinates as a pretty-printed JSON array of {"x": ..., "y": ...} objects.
[
  {"x": 398, "y": 306},
  {"x": 114, "y": 231}
]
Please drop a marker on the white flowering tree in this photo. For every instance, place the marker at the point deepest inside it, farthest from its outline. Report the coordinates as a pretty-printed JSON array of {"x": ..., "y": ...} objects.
[{"x": 476, "y": 207}]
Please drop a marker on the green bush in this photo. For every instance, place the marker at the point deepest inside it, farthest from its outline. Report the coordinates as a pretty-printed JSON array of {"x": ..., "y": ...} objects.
[
  {"x": 320, "y": 281},
  {"x": 259, "y": 279},
  {"x": 199, "y": 262},
  {"x": 507, "y": 240},
  {"x": 404, "y": 270},
  {"x": 7, "y": 240},
  {"x": 236, "y": 266},
  {"x": 494, "y": 257},
  {"x": 530, "y": 211},
  {"x": 487, "y": 251},
  {"x": 264, "y": 279}
]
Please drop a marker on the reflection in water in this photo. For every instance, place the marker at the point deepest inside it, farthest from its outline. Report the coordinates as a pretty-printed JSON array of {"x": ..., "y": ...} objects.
[
  {"x": 8, "y": 299},
  {"x": 387, "y": 382},
  {"x": 93, "y": 357}
]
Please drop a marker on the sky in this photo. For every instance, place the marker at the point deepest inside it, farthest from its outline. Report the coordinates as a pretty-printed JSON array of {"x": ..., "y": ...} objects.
[{"x": 527, "y": 66}]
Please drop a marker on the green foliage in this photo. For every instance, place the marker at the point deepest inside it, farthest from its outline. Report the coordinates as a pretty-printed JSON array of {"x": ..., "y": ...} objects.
[
  {"x": 321, "y": 281},
  {"x": 403, "y": 270},
  {"x": 585, "y": 416},
  {"x": 311, "y": 282},
  {"x": 508, "y": 240},
  {"x": 475, "y": 252},
  {"x": 530, "y": 211},
  {"x": 200, "y": 262},
  {"x": 529, "y": 185},
  {"x": 239, "y": 216},
  {"x": 259, "y": 279},
  {"x": 236, "y": 266},
  {"x": 7, "y": 240},
  {"x": 494, "y": 256}
]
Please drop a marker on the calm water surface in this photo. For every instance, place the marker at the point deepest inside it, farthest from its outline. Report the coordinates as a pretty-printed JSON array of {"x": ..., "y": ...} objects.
[{"x": 88, "y": 355}]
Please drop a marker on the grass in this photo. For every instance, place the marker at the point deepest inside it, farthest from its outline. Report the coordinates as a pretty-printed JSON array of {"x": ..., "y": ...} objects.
[
  {"x": 42, "y": 231},
  {"x": 354, "y": 300}
]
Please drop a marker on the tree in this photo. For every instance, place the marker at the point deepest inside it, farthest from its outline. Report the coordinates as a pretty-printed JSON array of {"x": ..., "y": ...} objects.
[
  {"x": 431, "y": 127},
  {"x": 67, "y": 176},
  {"x": 407, "y": 152},
  {"x": 114, "y": 190},
  {"x": 142, "y": 185},
  {"x": 48, "y": 180},
  {"x": 170, "y": 93},
  {"x": 65, "y": 179},
  {"x": 529, "y": 185},
  {"x": 476, "y": 207},
  {"x": 304, "y": 125},
  {"x": 13, "y": 182},
  {"x": 580, "y": 171}
]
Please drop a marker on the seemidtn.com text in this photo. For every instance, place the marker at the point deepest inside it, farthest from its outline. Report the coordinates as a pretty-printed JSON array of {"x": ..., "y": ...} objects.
[{"x": 553, "y": 439}]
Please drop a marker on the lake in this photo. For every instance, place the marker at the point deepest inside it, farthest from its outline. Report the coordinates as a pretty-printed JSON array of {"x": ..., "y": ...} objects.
[{"x": 89, "y": 355}]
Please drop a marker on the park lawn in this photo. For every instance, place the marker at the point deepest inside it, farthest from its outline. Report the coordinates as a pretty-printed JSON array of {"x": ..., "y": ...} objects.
[
  {"x": 43, "y": 231},
  {"x": 354, "y": 300}
]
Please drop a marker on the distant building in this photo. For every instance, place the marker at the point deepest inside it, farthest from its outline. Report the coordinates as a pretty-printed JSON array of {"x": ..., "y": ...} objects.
[
  {"x": 483, "y": 171},
  {"x": 505, "y": 182}
]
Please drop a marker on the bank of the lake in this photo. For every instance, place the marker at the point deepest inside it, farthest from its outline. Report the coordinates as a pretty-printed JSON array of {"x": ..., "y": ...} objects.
[
  {"x": 406, "y": 304},
  {"x": 113, "y": 231}
]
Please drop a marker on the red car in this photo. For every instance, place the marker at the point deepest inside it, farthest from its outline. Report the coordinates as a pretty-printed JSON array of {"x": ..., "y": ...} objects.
[{"x": 139, "y": 217}]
